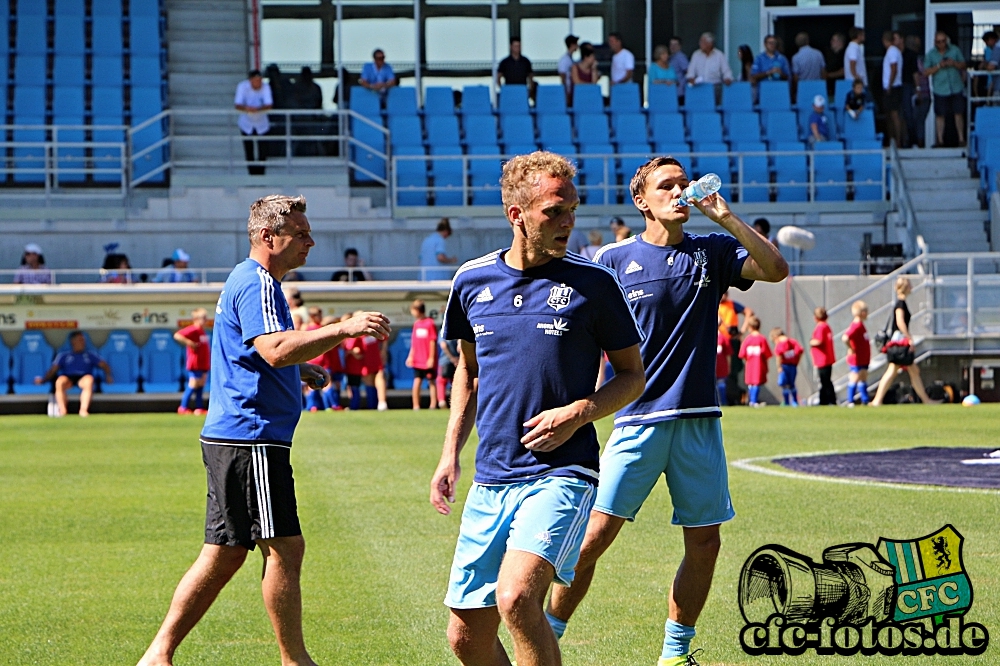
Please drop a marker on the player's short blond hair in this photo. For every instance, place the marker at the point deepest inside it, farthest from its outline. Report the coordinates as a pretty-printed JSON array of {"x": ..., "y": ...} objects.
[
  {"x": 519, "y": 182},
  {"x": 199, "y": 313},
  {"x": 269, "y": 213},
  {"x": 776, "y": 333},
  {"x": 903, "y": 285},
  {"x": 638, "y": 184},
  {"x": 857, "y": 307},
  {"x": 753, "y": 323}
]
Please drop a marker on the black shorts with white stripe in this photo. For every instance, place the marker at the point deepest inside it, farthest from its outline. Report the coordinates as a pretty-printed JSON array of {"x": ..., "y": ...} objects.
[{"x": 251, "y": 494}]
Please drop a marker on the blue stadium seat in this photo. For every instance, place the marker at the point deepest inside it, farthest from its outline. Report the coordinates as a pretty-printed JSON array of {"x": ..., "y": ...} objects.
[
  {"x": 625, "y": 98},
  {"x": 145, "y": 71},
  {"x": 69, "y": 151},
  {"x": 122, "y": 356},
  {"x": 476, "y": 101},
  {"x": 32, "y": 31},
  {"x": 513, "y": 100},
  {"x": 442, "y": 130},
  {"x": 29, "y": 70},
  {"x": 519, "y": 131},
  {"x": 550, "y": 100},
  {"x": 860, "y": 129},
  {"x": 803, "y": 119},
  {"x": 439, "y": 167},
  {"x": 106, "y": 35},
  {"x": 447, "y": 174},
  {"x": 4, "y": 367},
  {"x": 106, "y": 71},
  {"x": 32, "y": 357},
  {"x": 699, "y": 97},
  {"x": 405, "y": 131},
  {"x": 162, "y": 363},
  {"x": 144, "y": 8},
  {"x": 774, "y": 96},
  {"x": 867, "y": 170},
  {"x": 737, "y": 96},
  {"x": 791, "y": 172},
  {"x": 29, "y": 109},
  {"x": 662, "y": 99},
  {"x": 69, "y": 28},
  {"x": 107, "y": 102},
  {"x": 480, "y": 130},
  {"x": 638, "y": 154},
  {"x": 680, "y": 151},
  {"x": 401, "y": 101},
  {"x": 595, "y": 175},
  {"x": 592, "y": 128},
  {"x": 830, "y": 173},
  {"x": 714, "y": 163},
  {"x": 743, "y": 126},
  {"x": 146, "y": 103},
  {"x": 111, "y": 8},
  {"x": 705, "y": 127},
  {"x": 807, "y": 91},
  {"x": 630, "y": 128},
  {"x": 840, "y": 89},
  {"x": 365, "y": 102},
  {"x": 371, "y": 137},
  {"x": 144, "y": 35},
  {"x": 555, "y": 129},
  {"x": 67, "y": 70},
  {"x": 485, "y": 173},
  {"x": 66, "y": 346},
  {"x": 988, "y": 163},
  {"x": 411, "y": 173},
  {"x": 780, "y": 126},
  {"x": 29, "y": 103},
  {"x": 109, "y": 155},
  {"x": 756, "y": 175},
  {"x": 986, "y": 127},
  {"x": 667, "y": 127},
  {"x": 439, "y": 101},
  {"x": 587, "y": 98},
  {"x": 67, "y": 103},
  {"x": 565, "y": 149}
]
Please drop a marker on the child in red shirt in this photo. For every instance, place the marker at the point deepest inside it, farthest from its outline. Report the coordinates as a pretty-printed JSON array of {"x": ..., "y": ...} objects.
[
  {"x": 788, "y": 353},
  {"x": 823, "y": 355},
  {"x": 723, "y": 351},
  {"x": 199, "y": 360},
  {"x": 423, "y": 353},
  {"x": 859, "y": 354},
  {"x": 755, "y": 351}
]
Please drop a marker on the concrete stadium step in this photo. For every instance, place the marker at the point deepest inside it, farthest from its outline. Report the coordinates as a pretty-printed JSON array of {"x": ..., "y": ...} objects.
[
  {"x": 945, "y": 218},
  {"x": 961, "y": 196},
  {"x": 936, "y": 168}
]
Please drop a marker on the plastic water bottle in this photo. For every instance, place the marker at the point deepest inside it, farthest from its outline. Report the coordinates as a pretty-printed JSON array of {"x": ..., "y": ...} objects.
[{"x": 705, "y": 186}]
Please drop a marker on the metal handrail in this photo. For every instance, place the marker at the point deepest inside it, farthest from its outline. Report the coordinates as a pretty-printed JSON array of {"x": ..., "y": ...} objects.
[{"x": 900, "y": 197}]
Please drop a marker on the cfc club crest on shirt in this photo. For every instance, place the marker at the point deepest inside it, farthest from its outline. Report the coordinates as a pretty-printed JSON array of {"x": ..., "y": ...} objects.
[
  {"x": 701, "y": 261},
  {"x": 559, "y": 297}
]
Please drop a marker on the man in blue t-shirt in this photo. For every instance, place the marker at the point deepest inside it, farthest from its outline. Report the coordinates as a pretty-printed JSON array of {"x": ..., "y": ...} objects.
[
  {"x": 532, "y": 321},
  {"x": 75, "y": 368},
  {"x": 258, "y": 363},
  {"x": 674, "y": 281},
  {"x": 769, "y": 64},
  {"x": 377, "y": 75},
  {"x": 434, "y": 253}
]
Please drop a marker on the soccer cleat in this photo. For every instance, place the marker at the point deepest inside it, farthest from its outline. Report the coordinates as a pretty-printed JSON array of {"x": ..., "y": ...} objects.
[
  {"x": 200, "y": 412},
  {"x": 184, "y": 411},
  {"x": 683, "y": 660}
]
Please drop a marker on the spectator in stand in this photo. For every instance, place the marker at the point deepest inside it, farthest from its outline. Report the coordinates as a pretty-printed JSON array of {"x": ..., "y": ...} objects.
[
  {"x": 177, "y": 271},
  {"x": 856, "y": 99},
  {"x": 434, "y": 253},
  {"x": 819, "y": 127},
  {"x": 32, "y": 269},
  {"x": 946, "y": 66},
  {"x": 763, "y": 226},
  {"x": 859, "y": 354},
  {"x": 660, "y": 71},
  {"x": 334, "y": 364},
  {"x": 899, "y": 336},
  {"x": 745, "y": 55},
  {"x": 622, "y": 62},
  {"x": 787, "y": 353},
  {"x": 354, "y": 268},
  {"x": 198, "y": 349},
  {"x": 755, "y": 353},
  {"x": 619, "y": 229},
  {"x": 824, "y": 356},
  {"x": 921, "y": 98},
  {"x": 75, "y": 368},
  {"x": 808, "y": 63},
  {"x": 306, "y": 94},
  {"x": 253, "y": 100},
  {"x": 565, "y": 67},
  {"x": 515, "y": 69},
  {"x": 723, "y": 353},
  {"x": 854, "y": 56},
  {"x": 835, "y": 59},
  {"x": 586, "y": 70},
  {"x": 680, "y": 63},
  {"x": 770, "y": 64},
  {"x": 447, "y": 364},
  {"x": 596, "y": 242},
  {"x": 377, "y": 75},
  {"x": 423, "y": 353},
  {"x": 892, "y": 85},
  {"x": 911, "y": 60},
  {"x": 116, "y": 269},
  {"x": 991, "y": 61},
  {"x": 709, "y": 65}
]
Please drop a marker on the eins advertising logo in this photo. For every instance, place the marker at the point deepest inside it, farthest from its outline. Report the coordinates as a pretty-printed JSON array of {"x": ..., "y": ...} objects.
[{"x": 905, "y": 597}]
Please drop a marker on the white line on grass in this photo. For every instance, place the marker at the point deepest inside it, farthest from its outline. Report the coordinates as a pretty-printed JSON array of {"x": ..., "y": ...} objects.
[{"x": 750, "y": 465}]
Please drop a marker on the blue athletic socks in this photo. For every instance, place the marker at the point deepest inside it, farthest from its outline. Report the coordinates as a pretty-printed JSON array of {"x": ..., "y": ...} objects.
[
  {"x": 754, "y": 394},
  {"x": 558, "y": 626},
  {"x": 332, "y": 395},
  {"x": 315, "y": 399},
  {"x": 795, "y": 397},
  {"x": 355, "y": 397},
  {"x": 786, "y": 396},
  {"x": 199, "y": 397},
  {"x": 851, "y": 388},
  {"x": 863, "y": 392},
  {"x": 371, "y": 396},
  {"x": 677, "y": 639},
  {"x": 187, "y": 396}
]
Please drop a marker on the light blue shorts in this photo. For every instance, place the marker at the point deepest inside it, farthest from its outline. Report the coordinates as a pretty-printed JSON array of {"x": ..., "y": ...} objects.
[
  {"x": 546, "y": 516},
  {"x": 688, "y": 452}
]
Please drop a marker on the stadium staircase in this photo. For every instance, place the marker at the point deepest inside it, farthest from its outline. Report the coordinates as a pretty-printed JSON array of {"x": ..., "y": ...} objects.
[{"x": 945, "y": 200}]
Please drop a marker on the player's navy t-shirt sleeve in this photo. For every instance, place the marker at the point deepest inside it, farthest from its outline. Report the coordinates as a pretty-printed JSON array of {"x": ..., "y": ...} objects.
[
  {"x": 259, "y": 304},
  {"x": 730, "y": 257},
  {"x": 615, "y": 325},
  {"x": 456, "y": 320}
]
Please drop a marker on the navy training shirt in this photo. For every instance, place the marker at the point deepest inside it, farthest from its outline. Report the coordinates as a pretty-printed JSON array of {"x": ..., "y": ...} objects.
[
  {"x": 71, "y": 364},
  {"x": 675, "y": 292},
  {"x": 539, "y": 334},
  {"x": 252, "y": 402}
]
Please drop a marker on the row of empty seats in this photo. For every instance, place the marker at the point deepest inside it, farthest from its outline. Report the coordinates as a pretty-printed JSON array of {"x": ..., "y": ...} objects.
[{"x": 156, "y": 367}]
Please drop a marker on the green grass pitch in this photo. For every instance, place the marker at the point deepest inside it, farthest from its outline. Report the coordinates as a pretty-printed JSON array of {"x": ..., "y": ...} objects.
[{"x": 99, "y": 518}]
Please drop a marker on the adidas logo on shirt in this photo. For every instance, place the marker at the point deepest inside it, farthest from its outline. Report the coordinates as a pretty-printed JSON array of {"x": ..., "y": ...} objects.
[
  {"x": 633, "y": 268},
  {"x": 484, "y": 296}
]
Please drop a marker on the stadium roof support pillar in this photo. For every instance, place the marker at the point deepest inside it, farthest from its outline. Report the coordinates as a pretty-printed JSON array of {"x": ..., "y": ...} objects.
[
  {"x": 493, "y": 52},
  {"x": 416, "y": 55},
  {"x": 649, "y": 35},
  {"x": 572, "y": 15},
  {"x": 341, "y": 83}
]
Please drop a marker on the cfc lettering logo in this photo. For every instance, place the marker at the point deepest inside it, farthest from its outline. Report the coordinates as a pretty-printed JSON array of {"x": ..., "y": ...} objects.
[{"x": 559, "y": 297}]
